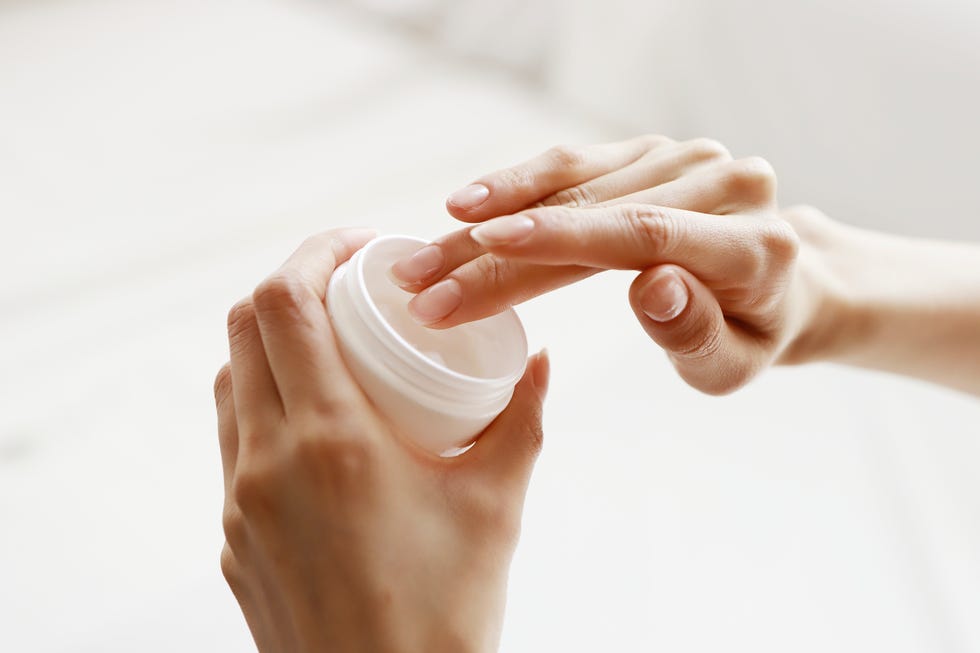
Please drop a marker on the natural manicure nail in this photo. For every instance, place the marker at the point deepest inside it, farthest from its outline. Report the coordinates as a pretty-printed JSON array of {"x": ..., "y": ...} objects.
[
  {"x": 419, "y": 266},
  {"x": 436, "y": 302},
  {"x": 665, "y": 298},
  {"x": 508, "y": 230},
  {"x": 470, "y": 197}
]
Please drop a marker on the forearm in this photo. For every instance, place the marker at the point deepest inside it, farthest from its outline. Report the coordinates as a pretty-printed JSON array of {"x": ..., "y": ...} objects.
[{"x": 897, "y": 304}]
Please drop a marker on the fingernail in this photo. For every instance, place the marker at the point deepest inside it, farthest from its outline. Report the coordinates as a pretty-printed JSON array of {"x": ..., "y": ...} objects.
[
  {"x": 419, "y": 266},
  {"x": 508, "y": 230},
  {"x": 665, "y": 298},
  {"x": 470, "y": 197},
  {"x": 436, "y": 302},
  {"x": 541, "y": 372}
]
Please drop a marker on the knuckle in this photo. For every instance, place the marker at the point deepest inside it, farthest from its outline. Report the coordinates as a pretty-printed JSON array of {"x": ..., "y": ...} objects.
[
  {"x": 516, "y": 179},
  {"x": 576, "y": 196},
  {"x": 752, "y": 179},
  {"x": 566, "y": 156},
  {"x": 352, "y": 459},
  {"x": 233, "y": 524},
  {"x": 652, "y": 226},
  {"x": 323, "y": 409},
  {"x": 751, "y": 267},
  {"x": 348, "y": 454},
  {"x": 780, "y": 241},
  {"x": 240, "y": 318},
  {"x": 282, "y": 291},
  {"x": 252, "y": 489},
  {"x": 222, "y": 384},
  {"x": 708, "y": 148},
  {"x": 495, "y": 272}
]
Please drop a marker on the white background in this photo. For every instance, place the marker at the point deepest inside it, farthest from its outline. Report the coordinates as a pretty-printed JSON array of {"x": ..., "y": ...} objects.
[{"x": 158, "y": 158}]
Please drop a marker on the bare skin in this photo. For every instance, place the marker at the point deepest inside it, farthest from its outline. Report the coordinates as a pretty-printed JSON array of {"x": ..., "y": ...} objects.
[
  {"x": 342, "y": 536},
  {"x": 728, "y": 284}
]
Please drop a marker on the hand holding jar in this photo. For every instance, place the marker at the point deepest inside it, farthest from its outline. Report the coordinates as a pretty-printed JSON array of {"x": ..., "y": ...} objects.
[
  {"x": 344, "y": 534},
  {"x": 341, "y": 534}
]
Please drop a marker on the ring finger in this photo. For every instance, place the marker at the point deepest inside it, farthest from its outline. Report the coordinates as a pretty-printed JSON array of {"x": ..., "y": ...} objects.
[{"x": 656, "y": 167}]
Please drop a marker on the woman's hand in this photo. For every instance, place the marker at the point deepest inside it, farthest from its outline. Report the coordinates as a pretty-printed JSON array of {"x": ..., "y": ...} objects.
[
  {"x": 718, "y": 286},
  {"x": 341, "y": 536}
]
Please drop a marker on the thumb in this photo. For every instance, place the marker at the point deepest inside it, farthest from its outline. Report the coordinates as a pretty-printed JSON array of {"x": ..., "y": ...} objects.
[
  {"x": 683, "y": 316},
  {"x": 507, "y": 449}
]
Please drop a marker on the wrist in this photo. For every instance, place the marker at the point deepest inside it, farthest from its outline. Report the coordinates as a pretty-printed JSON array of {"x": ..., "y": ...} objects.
[
  {"x": 902, "y": 305},
  {"x": 825, "y": 318}
]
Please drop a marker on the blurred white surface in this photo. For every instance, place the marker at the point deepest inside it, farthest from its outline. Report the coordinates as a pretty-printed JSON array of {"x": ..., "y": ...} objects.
[
  {"x": 158, "y": 158},
  {"x": 850, "y": 100}
]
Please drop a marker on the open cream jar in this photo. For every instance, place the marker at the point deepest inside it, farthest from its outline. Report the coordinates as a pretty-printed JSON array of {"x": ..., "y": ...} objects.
[{"x": 440, "y": 387}]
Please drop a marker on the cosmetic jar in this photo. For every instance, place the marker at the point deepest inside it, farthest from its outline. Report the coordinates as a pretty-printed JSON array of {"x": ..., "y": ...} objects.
[{"x": 439, "y": 387}]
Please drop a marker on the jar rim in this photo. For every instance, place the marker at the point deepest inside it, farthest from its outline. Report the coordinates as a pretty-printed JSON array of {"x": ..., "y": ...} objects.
[{"x": 419, "y": 361}]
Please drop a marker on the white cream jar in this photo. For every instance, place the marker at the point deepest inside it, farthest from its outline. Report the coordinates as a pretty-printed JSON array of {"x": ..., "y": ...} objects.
[{"x": 440, "y": 387}]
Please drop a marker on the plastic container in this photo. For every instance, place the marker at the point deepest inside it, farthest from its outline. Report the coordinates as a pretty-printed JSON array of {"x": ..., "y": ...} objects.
[{"x": 440, "y": 387}]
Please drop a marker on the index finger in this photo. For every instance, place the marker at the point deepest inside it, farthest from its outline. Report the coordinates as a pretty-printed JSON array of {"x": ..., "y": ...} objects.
[
  {"x": 636, "y": 236},
  {"x": 561, "y": 167},
  {"x": 545, "y": 248},
  {"x": 292, "y": 318}
]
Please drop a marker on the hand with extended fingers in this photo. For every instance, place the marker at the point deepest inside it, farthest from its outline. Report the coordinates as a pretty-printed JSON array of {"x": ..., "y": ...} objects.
[
  {"x": 717, "y": 262},
  {"x": 342, "y": 536},
  {"x": 728, "y": 283}
]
